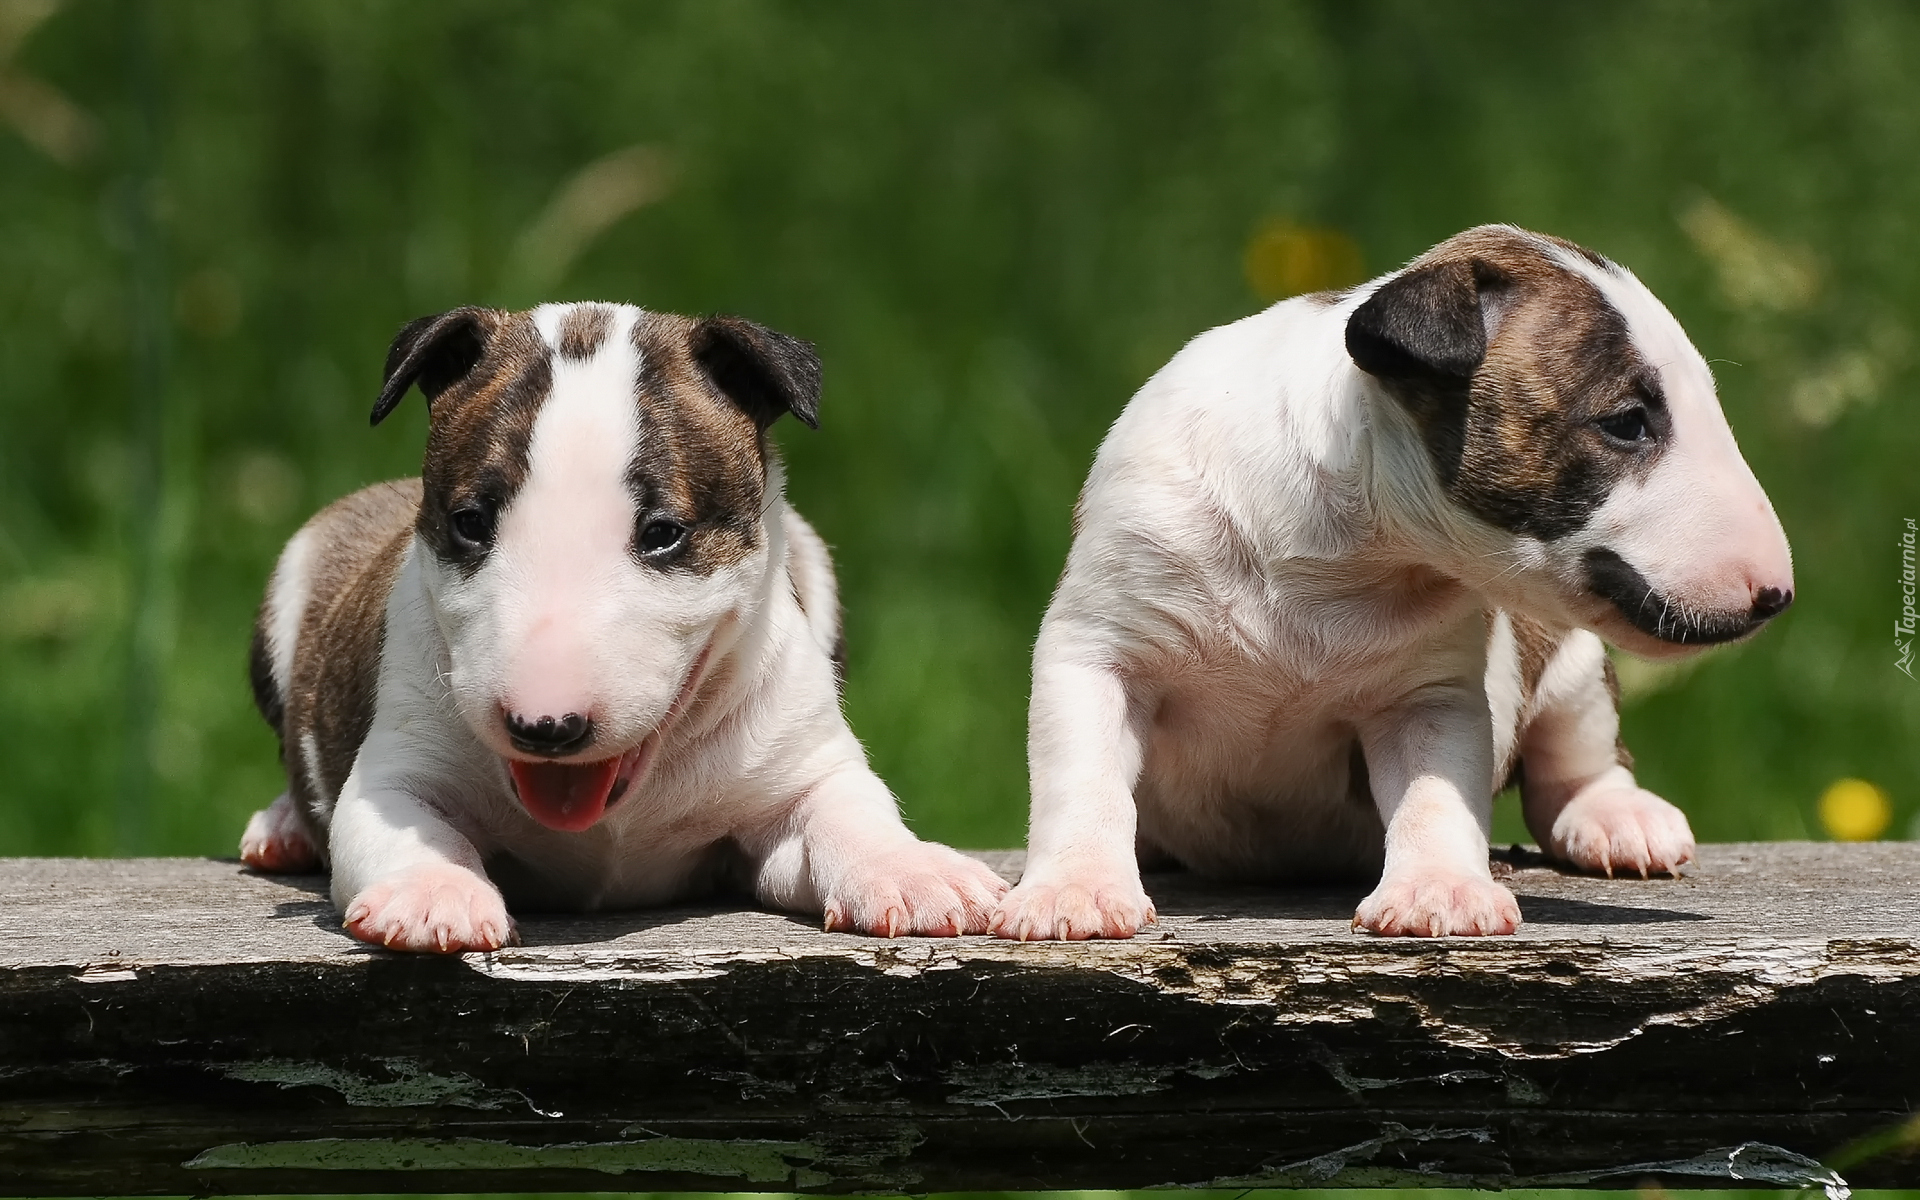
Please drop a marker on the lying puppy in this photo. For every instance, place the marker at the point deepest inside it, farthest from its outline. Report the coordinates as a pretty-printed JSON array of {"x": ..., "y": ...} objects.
[
  {"x": 589, "y": 658},
  {"x": 1339, "y": 570}
]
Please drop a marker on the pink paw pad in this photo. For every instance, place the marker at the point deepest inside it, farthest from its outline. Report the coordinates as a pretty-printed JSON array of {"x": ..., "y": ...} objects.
[
  {"x": 1623, "y": 830},
  {"x": 276, "y": 841},
  {"x": 925, "y": 890},
  {"x": 435, "y": 909},
  {"x": 1438, "y": 906},
  {"x": 1089, "y": 905}
]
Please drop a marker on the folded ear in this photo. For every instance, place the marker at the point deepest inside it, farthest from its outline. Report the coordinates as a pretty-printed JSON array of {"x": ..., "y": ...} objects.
[
  {"x": 1424, "y": 324},
  {"x": 435, "y": 352},
  {"x": 765, "y": 372}
]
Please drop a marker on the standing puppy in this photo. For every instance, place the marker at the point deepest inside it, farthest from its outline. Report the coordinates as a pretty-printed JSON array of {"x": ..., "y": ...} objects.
[
  {"x": 1339, "y": 571},
  {"x": 589, "y": 658}
]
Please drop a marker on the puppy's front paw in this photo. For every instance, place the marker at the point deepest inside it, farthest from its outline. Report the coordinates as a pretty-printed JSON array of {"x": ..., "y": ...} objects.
[
  {"x": 1438, "y": 905},
  {"x": 276, "y": 840},
  {"x": 1616, "y": 828},
  {"x": 1075, "y": 906},
  {"x": 440, "y": 909},
  {"x": 920, "y": 888}
]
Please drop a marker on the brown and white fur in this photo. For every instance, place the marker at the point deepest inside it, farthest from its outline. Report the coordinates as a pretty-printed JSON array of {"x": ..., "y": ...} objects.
[
  {"x": 589, "y": 659},
  {"x": 1343, "y": 567}
]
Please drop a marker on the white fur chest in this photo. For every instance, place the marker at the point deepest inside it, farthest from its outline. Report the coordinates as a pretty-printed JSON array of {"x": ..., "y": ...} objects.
[
  {"x": 1274, "y": 651},
  {"x": 588, "y": 659},
  {"x": 1261, "y": 725}
]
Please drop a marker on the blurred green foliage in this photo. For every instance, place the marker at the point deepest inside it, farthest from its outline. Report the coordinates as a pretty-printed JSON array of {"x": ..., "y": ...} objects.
[{"x": 995, "y": 218}]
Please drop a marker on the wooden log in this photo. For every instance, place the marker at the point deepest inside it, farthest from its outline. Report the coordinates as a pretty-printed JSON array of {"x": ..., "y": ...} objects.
[{"x": 184, "y": 1026}]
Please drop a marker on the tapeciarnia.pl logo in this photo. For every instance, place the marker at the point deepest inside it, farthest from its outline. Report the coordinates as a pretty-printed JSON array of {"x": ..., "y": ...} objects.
[{"x": 1903, "y": 625}]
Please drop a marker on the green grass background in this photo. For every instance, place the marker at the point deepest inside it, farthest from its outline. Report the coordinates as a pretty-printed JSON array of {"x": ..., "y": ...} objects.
[{"x": 995, "y": 218}]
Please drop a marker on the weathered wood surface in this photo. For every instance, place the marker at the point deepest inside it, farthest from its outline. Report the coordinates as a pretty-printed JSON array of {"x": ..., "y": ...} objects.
[{"x": 182, "y": 1026}]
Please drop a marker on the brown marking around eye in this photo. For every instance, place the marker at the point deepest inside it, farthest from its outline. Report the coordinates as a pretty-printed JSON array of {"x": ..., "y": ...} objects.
[
  {"x": 701, "y": 459},
  {"x": 482, "y": 430},
  {"x": 1515, "y": 449}
]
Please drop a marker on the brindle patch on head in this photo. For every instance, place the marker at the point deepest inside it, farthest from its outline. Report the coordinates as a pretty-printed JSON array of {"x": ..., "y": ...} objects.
[
  {"x": 702, "y": 461},
  {"x": 702, "y": 458},
  {"x": 584, "y": 330},
  {"x": 1593, "y": 256},
  {"x": 481, "y": 430},
  {"x": 1506, "y": 356}
]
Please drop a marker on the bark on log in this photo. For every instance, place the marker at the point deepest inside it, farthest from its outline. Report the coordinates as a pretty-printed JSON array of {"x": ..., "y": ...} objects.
[{"x": 183, "y": 1026}]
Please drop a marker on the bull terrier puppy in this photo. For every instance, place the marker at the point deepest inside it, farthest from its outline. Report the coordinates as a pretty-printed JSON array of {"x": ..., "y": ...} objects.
[
  {"x": 589, "y": 658},
  {"x": 1344, "y": 566}
]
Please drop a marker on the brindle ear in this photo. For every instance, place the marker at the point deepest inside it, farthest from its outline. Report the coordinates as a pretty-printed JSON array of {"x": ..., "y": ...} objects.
[
  {"x": 435, "y": 352},
  {"x": 764, "y": 372},
  {"x": 1424, "y": 324}
]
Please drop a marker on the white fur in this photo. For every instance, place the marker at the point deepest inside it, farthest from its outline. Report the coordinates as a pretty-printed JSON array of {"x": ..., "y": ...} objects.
[
  {"x": 1505, "y": 698},
  {"x": 1701, "y": 528},
  {"x": 1266, "y": 572},
  {"x": 562, "y": 618},
  {"x": 811, "y": 566},
  {"x": 276, "y": 839},
  {"x": 310, "y": 759},
  {"x": 287, "y": 594}
]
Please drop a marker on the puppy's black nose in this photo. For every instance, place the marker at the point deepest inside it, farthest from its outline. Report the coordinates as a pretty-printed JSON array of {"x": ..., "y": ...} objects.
[
  {"x": 550, "y": 737},
  {"x": 1770, "y": 602}
]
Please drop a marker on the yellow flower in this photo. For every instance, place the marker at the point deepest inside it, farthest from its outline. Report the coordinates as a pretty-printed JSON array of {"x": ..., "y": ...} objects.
[
  {"x": 1284, "y": 259},
  {"x": 1854, "y": 810}
]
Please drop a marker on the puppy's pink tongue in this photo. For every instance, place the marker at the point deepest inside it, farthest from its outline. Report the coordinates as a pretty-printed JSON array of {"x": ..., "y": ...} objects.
[{"x": 565, "y": 796}]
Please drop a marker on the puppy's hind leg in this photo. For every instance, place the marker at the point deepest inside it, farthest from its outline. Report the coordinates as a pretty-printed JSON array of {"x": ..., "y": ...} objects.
[
  {"x": 1577, "y": 789},
  {"x": 278, "y": 841},
  {"x": 279, "y": 838}
]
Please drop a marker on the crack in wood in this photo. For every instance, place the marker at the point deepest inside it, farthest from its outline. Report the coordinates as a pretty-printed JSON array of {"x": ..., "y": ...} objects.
[{"x": 181, "y": 1026}]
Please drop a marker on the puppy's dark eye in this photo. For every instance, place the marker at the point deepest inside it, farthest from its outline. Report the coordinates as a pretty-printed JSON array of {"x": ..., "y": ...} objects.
[
  {"x": 1628, "y": 426},
  {"x": 472, "y": 525},
  {"x": 660, "y": 536}
]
